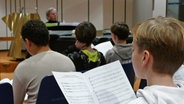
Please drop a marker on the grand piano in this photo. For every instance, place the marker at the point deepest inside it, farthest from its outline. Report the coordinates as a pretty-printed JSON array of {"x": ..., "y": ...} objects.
[{"x": 60, "y": 26}]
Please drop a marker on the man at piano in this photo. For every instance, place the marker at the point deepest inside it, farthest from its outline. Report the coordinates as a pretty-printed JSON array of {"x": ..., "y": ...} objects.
[{"x": 51, "y": 15}]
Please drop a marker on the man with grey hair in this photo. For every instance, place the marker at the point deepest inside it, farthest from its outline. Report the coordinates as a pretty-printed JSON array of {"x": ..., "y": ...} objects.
[{"x": 51, "y": 15}]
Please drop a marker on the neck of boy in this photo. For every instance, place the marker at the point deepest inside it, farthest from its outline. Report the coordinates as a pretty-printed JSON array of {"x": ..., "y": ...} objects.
[
  {"x": 89, "y": 48},
  {"x": 121, "y": 42},
  {"x": 41, "y": 49},
  {"x": 160, "y": 79}
]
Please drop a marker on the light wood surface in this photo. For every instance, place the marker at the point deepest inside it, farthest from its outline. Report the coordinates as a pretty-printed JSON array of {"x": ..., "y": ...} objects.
[
  {"x": 7, "y": 65},
  {"x": 6, "y": 38}
]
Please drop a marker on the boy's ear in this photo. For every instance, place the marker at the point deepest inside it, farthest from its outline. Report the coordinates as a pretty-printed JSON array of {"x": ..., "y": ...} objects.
[
  {"x": 27, "y": 42},
  {"x": 146, "y": 58},
  {"x": 114, "y": 37}
]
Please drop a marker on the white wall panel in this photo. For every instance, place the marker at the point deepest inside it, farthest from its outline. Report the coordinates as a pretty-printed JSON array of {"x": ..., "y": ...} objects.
[
  {"x": 107, "y": 13},
  {"x": 2, "y": 14},
  {"x": 3, "y": 45},
  {"x": 30, "y": 7},
  {"x": 96, "y": 13},
  {"x": 142, "y": 10},
  {"x": 119, "y": 10},
  {"x": 159, "y": 8},
  {"x": 129, "y": 13},
  {"x": 60, "y": 10},
  {"x": 43, "y": 6},
  {"x": 75, "y": 10}
]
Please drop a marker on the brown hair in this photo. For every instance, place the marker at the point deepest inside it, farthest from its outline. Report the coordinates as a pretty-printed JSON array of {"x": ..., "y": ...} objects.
[
  {"x": 121, "y": 30},
  {"x": 85, "y": 32}
]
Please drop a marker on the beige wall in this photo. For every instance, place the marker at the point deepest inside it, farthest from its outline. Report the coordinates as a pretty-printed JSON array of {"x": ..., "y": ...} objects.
[
  {"x": 3, "y": 27},
  {"x": 142, "y": 10},
  {"x": 75, "y": 10}
]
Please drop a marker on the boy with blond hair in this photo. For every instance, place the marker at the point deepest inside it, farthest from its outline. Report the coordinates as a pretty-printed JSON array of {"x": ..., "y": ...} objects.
[{"x": 158, "y": 45}]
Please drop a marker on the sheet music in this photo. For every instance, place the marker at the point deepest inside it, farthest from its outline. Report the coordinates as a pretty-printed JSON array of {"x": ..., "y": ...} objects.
[
  {"x": 106, "y": 84},
  {"x": 75, "y": 88},
  {"x": 110, "y": 84},
  {"x": 103, "y": 47},
  {"x": 6, "y": 80}
]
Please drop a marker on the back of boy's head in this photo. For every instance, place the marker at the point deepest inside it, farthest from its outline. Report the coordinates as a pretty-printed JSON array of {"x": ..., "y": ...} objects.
[
  {"x": 120, "y": 29},
  {"x": 35, "y": 31},
  {"x": 163, "y": 37},
  {"x": 85, "y": 32}
]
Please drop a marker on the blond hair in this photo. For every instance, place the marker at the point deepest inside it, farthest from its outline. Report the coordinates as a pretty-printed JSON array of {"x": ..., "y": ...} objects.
[{"x": 163, "y": 37}]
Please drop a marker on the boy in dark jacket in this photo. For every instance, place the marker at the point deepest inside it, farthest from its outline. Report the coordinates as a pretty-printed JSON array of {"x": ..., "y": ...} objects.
[{"x": 85, "y": 57}]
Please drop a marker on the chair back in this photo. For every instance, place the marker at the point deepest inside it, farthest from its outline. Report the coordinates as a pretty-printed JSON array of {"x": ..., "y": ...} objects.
[
  {"x": 6, "y": 93},
  {"x": 129, "y": 71},
  {"x": 49, "y": 92},
  {"x": 143, "y": 83}
]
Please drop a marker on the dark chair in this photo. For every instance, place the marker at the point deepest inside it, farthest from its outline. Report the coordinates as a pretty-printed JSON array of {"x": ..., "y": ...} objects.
[
  {"x": 143, "y": 83},
  {"x": 129, "y": 71},
  {"x": 49, "y": 92},
  {"x": 129, "y": 39},
  {"x": 6, "y": 93},
  {"x": 139, "y": 84}
]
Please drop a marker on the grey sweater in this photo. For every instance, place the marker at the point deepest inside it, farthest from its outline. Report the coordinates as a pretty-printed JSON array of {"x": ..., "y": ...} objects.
[{"x": 121, "y": 52}]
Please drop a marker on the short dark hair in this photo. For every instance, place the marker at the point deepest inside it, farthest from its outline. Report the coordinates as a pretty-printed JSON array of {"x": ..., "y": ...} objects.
[
  {"x": 85, "y": 32},
  {"x": 120, "y": 29},
  {"x": 35, "y": 31}
]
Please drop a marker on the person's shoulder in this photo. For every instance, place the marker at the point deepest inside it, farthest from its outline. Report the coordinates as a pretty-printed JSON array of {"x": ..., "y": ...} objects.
[
  {"x": 24, "y": 63},
  {"x": 70, "y": 49},
  {"x": 120, "y": 46},
  {"x": 109, "y": 52},
  {"x": 22, "y": 67},
  {"x": 100, "y": 54},
  {"x": 58, "y": 56},
  {"x": 55, "y": 53},
  {"x": 76, "y": 55}
]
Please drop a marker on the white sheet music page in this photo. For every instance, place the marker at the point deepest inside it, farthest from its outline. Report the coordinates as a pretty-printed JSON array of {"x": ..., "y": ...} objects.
[
  {"x": 110, "y": 84},
  {"x": 103, "y": 47},
  {"x": 75, "y": 88},
  {"x": 106, "y": 84},
  {"x": 178, "y": 75}
]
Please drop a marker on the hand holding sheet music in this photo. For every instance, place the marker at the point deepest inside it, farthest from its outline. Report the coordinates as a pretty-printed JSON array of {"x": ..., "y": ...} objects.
[{"x": 106, "y": 84}]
